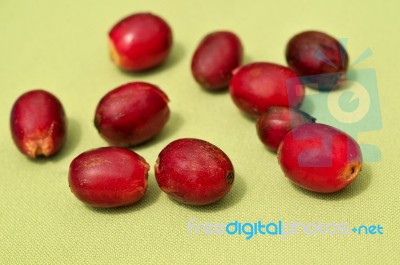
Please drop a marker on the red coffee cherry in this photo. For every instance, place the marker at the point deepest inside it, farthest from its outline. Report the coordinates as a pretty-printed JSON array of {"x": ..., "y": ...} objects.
[
  {"x": 108, "y": 177},
  {"x": 217, "y": 55},
  {"x": 258, "y": 86},
  {"x": 320, "y": 158},
  {"x": 132, "y": 114},
  {"x": 276, "y": 122},
  {"x": 140, "y": 42},
  {"x": 194, "y": 171},
  {"x": 38, "y": 124},
  {"x": 319, "y": 59}
]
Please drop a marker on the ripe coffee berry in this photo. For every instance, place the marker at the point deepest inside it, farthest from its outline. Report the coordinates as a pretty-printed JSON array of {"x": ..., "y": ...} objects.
[
  {"x": 217, "y": 55},
  {"x": 319, "y": 59},
  {"x": 108, "y": 177},
  {"x": 38, "y": 124},
  {"x": 276, "y": 122},
  {"x": 194, "y": 171},
  {"x": 320, "y": 158},
  {"x": 132, "y": 114},
  {"x": 258, "y": 86},
  {"x": 140, "y": 42}
]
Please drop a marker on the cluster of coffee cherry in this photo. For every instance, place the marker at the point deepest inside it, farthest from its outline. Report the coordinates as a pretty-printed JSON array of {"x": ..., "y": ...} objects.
[{"x": 315, "y": 156}]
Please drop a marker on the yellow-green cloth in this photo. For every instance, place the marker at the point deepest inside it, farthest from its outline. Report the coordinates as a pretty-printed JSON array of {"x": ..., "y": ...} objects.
[{"x": 61, "y": 46}]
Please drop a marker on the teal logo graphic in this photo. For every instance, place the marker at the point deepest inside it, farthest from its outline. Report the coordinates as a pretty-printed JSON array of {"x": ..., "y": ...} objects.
[{"x": 353, "y": 108}]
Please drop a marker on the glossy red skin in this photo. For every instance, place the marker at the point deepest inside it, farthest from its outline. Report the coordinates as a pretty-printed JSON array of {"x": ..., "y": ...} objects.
[
  {"x": 258, "y": 86},
  {"x": 108, "y": 177},
  {"x": 38, "y": 124},
  {"x": 217, "y": 55},
  {"x": 132, "y": 114},
  {"x": 276, "y": 122},
  {"x": 140, "y": 42},
  {"x": 302, "y": 56},
  {"x": 320, "y": 158},
  {"x": 194, "y": 172}
]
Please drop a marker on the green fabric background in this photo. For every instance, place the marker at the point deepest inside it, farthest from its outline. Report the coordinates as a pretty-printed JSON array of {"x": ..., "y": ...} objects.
[{"x": 61, "y": 46}]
